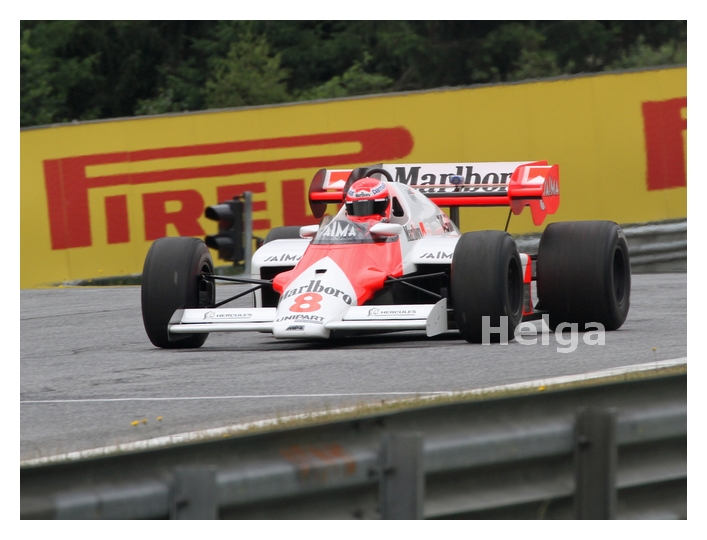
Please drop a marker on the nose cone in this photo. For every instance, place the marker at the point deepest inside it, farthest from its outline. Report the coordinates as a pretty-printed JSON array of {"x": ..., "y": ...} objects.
[{"x": 320, "y": 294}]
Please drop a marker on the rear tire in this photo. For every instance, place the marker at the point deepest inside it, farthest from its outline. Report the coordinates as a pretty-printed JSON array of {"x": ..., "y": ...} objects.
[
  {"x": 279, "y": 233},
  {"x": 584, "y": 274},
  {"x": 487, "y": 280},
  {"x": 171, "y": 280}
]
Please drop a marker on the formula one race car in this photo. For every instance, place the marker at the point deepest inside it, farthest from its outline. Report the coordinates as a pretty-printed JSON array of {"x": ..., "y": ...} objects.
[{"x": 390, "y": 260}]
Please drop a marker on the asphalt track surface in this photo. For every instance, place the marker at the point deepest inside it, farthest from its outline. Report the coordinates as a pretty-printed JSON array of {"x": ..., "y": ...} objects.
[{"x": 88, "y": 372}]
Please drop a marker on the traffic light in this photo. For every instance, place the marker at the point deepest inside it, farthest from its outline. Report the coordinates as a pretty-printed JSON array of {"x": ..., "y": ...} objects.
[{"x": 229, "y": 240}]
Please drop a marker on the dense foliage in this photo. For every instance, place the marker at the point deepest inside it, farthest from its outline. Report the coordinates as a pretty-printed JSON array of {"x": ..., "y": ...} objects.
[{"x": 84, "y": 70}]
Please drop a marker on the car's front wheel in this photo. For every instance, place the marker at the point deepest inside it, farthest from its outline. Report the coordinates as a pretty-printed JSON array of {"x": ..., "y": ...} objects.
[
  {"x": 173, "y": 278},
  {"x": 487, "y": 286}
]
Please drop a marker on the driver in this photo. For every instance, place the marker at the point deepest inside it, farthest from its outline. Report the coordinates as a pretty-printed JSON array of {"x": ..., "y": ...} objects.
[{"x": 368, "y": 199}]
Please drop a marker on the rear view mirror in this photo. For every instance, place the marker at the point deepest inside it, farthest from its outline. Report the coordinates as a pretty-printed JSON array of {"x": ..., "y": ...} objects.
[
  {"x": 387, "y": 229},
  {"x": 309, "y": 231}
]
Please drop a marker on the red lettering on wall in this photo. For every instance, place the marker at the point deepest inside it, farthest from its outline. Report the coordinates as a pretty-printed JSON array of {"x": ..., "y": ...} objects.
[
  {"x": 186, "y": 219},
  {"x": 663, "y": 125},
  {"x": 117, "y": 219},
  {"x": 294, "y": 204},
  {"x": 67, "y": 183}
]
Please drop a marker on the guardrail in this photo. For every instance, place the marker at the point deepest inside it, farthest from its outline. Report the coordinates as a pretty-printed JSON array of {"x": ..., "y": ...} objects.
[
  {"x": 653, "y": 247},
  {"x": 658, "y": 247},
  {"x": 594, "y": 448}
]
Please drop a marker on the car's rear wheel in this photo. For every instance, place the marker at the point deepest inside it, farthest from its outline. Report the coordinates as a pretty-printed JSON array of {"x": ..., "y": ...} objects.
[
  {"x": 486, "y": 281},
  {"x": 279, "y": 233},
  {"x": 584, "y": 274},
  {"x": 172, "y": 279}
]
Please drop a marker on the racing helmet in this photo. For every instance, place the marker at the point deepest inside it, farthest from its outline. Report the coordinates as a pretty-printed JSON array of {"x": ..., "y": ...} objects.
[{"x": 368, "y": 199}]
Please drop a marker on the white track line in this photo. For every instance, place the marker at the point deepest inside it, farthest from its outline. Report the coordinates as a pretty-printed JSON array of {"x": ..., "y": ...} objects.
[
  {"x": 253, "y": 396},
  {"x": 555, "y": 380},
  {"x": 181, "y": 438}
]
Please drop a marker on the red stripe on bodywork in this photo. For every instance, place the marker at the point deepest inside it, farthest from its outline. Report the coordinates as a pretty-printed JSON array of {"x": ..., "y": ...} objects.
[
  {"x": 528, "y": 271},
  {"x": 486, "y": 200},
  {"x": 366, "y": 266}
]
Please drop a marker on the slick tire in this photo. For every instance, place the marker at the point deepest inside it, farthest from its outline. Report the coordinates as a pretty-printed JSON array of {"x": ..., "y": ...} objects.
[
  {"x": 584, "y": 274},
  {"x": 171, "y": 280},
  {"x": 280, "y": 233},
  {"x": 486, "y": 281}
]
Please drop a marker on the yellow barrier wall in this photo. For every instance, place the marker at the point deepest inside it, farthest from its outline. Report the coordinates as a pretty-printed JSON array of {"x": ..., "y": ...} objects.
[{"x": 95, "y": 195}]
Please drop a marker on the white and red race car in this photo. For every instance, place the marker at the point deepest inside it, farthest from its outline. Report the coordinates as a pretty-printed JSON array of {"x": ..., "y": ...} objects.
[{"x": 413, "y": 270}]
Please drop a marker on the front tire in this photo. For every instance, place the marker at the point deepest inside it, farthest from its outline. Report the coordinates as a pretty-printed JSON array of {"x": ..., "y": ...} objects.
[
  {"x": 584, "y": 274},
  {"x": 172, "y": 279},
  {"x": 487, "y": 281}
]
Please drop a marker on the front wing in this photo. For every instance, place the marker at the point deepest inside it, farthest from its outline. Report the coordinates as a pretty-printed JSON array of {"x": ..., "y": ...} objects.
[{"x": 432, "y": 318}]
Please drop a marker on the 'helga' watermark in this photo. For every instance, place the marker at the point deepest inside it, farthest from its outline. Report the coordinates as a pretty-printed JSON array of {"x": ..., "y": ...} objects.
[{"x": 526, "y": 333}]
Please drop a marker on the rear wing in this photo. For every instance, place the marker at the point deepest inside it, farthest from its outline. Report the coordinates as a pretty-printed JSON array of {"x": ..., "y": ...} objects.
[{"x": 516, "y": 184}]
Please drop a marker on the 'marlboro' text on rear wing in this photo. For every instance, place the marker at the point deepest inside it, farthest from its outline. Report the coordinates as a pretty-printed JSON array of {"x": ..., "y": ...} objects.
[{"x": 516, "y": 184}]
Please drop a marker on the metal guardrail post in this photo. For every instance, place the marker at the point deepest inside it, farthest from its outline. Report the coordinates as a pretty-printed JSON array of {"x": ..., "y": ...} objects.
[
  {"x": 595, "y": 463},
  {"x": 402, "y": 478},
  {"x": 247, "y": 231},
  {"x": 454, "y": 215},
  {"x": 194, "y": 493}
]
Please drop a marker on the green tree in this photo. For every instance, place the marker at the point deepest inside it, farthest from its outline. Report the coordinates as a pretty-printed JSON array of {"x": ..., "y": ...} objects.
[
  {"x": 48, "y": 82},
  {"x": 641, "y": 54},
  {"x": 248, "y": 75},
  {"x": 353, "y": 82},
  {"x": 513, "y": 52},
  {"x": 105, "y": 69}
]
